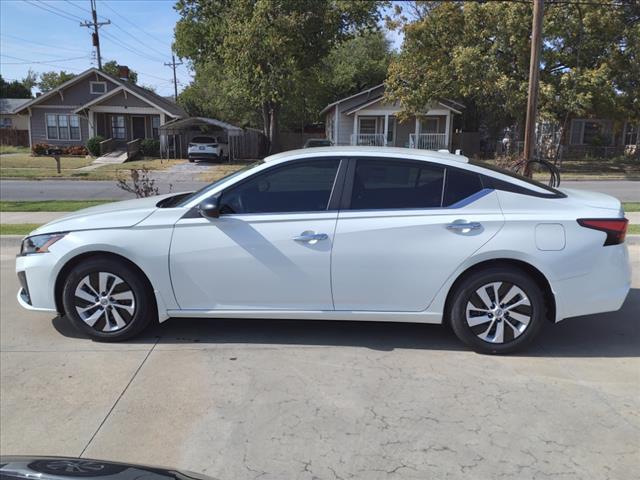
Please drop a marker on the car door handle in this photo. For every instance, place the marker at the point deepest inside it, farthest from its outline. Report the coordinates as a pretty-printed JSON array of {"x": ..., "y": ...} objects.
[
  {"x": 310, "y": 236},
  {"x": 462, "y": 226}
]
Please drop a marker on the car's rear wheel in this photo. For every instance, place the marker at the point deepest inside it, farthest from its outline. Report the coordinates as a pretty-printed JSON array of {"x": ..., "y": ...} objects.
[
  {"x": 107, "y": 299},
  {"x": 497, "y": 310}
]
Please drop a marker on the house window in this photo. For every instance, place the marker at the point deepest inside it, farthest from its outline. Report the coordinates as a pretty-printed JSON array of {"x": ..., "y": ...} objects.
[
  {"x": 63, "y": 127},
  {"x": 117, "y": 127},
  {"x": 631, "y": 134},
  {"x": 368, "y": 125},
  {"x": 74, "y": 127},
  {"x": 391, "y": 129},
  {"x": 97, "y": 88},
  {"x": 155, "y": 127},
  {"x": 6, "y": 122},
  {"x": 429, "y": 125},
  {"x": 590, "y": 132}
]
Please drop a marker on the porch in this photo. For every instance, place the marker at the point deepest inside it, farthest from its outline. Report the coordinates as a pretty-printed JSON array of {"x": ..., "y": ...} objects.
[
  {"x": 123, "y": 128},
  {"x": 427, "y": 132}
]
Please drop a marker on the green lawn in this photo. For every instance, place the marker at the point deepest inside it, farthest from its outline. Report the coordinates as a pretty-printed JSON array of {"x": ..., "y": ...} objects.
[
  {"x": 17, "y": 228},
  {"x": 27, "y": 167},
  {"x": 633, "y": 230},
  {"x": 50, "y": 205},
  {"x": 11, "y": 149},
  {"x": 631, "y": 206}
]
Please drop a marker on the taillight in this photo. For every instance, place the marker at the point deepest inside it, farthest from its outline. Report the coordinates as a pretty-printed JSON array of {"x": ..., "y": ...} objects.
[
  {"x": 615, "y": 228},
  {"x": 191, "y": 145}
]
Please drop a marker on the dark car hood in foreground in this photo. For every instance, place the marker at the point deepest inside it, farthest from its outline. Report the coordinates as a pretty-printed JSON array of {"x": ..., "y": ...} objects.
[{"x": 58, "y": 468}]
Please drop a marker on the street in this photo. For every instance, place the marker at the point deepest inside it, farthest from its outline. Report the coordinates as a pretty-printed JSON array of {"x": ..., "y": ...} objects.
[
  {"x": 244, "y": 399},
  {"x": 626, "y": 191}
]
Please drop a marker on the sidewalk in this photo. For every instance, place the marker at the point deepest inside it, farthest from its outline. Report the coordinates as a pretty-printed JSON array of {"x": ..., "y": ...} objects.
[{"x": 30, "y": 217}]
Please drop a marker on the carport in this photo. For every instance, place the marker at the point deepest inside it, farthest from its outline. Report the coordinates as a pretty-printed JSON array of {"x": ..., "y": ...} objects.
[{"x": 176, "y": 134}]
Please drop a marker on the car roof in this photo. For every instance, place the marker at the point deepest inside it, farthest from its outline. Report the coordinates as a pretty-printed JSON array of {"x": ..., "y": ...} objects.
[{"x": 390, "y": 152}]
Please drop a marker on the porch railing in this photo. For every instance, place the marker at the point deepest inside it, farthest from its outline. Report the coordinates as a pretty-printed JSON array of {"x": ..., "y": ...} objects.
[
  {"x": 368, "y": 139},
  {"x": 428, "y": 141},
  {"x": 133, "y": 147},
  {"x": 106, "y": 146}
]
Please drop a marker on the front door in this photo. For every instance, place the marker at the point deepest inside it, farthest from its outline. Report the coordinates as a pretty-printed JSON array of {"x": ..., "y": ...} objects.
[
  {"x": 269, "y": 249},
  {"x": 138, "y": 127},
  {"x": 405, "y": 232}
]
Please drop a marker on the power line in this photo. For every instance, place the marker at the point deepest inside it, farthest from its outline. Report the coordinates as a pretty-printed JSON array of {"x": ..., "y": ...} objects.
[
  {"x": 137, "y": 27},
  {"x": 52, "y": 65},
  {"x": 78, "y": 6},
  {"x": 25, "y": 61},
  {"x": 139, "y": 41},
  {"x": 40, "y": 44},
  {"x": 59, "y": 13}
]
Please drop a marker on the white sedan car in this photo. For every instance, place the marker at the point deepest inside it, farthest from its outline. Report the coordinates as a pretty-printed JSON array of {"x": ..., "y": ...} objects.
[
  {"x": 348, "y": 233},
  {"x": 207, "y": 148}
]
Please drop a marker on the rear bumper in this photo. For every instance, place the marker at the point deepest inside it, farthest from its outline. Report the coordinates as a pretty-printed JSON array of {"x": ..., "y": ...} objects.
[
  {"x": 203, "y": 155},
  {"x": 603, "y": 289}
]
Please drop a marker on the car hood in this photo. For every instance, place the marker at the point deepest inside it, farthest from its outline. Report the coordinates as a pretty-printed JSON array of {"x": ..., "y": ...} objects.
[{"x": 110, "y": 215}]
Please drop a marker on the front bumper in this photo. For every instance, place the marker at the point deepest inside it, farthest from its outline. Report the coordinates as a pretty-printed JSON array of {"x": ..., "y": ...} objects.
[{"x": 37, "y": 274}]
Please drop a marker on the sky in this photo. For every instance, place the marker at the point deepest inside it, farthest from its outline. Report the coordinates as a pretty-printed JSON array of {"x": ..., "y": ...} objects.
[{"x": 45, "y": 35}]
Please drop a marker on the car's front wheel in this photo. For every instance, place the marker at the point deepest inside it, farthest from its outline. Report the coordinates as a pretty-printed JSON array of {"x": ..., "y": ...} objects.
[
  {"x": 497, "y": 310},
  {"x": 107, "y": 299}
]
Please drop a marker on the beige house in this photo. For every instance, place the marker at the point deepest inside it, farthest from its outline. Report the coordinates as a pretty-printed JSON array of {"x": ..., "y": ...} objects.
[{"x": 366, "y": 118}]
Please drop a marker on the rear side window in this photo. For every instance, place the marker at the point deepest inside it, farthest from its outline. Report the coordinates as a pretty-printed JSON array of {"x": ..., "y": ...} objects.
[
  {"x": 382, "y": 184},
  {"x": 460, "y": 184},
  {"x": 299, "y": 187}
]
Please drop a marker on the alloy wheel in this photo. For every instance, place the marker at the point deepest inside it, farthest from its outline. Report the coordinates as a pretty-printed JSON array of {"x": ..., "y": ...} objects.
[
  {"x": 498, "y": 312},
  {"x": 104, "y": 301}
]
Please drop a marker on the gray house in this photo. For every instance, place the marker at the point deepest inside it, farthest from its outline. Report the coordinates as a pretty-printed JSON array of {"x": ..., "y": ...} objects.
[
  {"x": 366, "y": 118},
  {"x": 96, "y": 103}
]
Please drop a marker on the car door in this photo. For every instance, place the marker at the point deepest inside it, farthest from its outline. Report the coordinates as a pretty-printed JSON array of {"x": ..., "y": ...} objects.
[
  {"x": 404, "y": 227},
  {"x": 269, "y": 249}
]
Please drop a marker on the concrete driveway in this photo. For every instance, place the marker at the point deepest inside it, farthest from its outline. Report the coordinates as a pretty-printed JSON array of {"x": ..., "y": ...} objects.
[{"x": 247, "y": 399}]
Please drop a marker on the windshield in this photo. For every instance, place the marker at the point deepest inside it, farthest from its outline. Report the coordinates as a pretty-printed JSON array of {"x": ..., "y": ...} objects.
[{"x": 184, "y": 201}]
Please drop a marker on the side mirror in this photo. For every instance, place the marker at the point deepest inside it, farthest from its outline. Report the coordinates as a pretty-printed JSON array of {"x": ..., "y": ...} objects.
[{"x": 210, "y": 208}]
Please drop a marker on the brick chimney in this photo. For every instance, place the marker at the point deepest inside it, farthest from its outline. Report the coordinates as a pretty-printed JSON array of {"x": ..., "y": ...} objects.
[{"x": 123, "y": 72}]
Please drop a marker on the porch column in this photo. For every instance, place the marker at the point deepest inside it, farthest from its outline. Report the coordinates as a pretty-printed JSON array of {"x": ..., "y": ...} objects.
[
  {"x": 447, "y": 130},
  {"x": 416, "y": 133},
  {"x": 92, "y": 124},
  {"x": 355, "y": 127},
  {"x": 386, "y": 128},
  {"x": 163, "y": 138}
]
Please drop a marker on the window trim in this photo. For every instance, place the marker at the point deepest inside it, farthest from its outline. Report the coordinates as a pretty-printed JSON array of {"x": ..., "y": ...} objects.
[
  {"x": 334, "y": 196},
  {"x": 92, "y": 92},
  {"x": 367, "y": 117},
  {"x": 58, "y": 127}
]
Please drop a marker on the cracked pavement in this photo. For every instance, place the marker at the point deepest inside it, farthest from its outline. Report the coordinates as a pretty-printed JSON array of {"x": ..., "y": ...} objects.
[{"x": 245, "y": 399}]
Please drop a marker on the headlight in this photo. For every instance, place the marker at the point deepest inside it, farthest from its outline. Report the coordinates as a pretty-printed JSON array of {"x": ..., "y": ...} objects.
[{"x": 39, "y": 243}]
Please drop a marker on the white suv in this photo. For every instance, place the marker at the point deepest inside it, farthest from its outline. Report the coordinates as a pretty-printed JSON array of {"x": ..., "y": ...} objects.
[{"x": 207, "y": 148}]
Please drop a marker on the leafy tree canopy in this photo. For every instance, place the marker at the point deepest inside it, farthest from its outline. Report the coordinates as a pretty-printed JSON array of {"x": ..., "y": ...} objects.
[
  {"x": 265, "y": 52},
  {"x": 111, "y": 67},
  {"x": 479, "y": 53},
  {"x": 14, "y": 89},
  {"x": 50, "y": 80}
]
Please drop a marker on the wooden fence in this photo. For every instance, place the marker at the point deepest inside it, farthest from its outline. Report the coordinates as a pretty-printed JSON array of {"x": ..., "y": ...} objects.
[
  {"x": 247, "y": 145},
  {"x": 13, "y": 137}
]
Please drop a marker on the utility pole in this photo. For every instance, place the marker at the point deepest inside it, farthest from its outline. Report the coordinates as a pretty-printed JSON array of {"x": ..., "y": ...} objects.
[
  {"x": 173, "y": 65},
  {"x": 95, "y": 36},
  {"x": 534, "y": 70}
]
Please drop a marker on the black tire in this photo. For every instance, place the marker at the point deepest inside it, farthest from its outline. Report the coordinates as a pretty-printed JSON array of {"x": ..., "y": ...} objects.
[
  {"x": 130, "y": 301},
  {"x": 485, "y": 336},
  {"x": 191, "y": 160}
]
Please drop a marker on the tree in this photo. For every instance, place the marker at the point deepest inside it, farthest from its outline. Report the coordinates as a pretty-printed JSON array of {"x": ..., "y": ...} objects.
[
  {"x": 479, "y": 53},
  {"x": 50, "y": 80},
  {"x": 265, "y": 51},
  {"x": 111, "y": 67},
  {"x": 14, "y": 89}
]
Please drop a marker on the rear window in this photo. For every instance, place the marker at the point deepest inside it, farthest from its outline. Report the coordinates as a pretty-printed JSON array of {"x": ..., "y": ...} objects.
[
  {"x": 203, "y": 140},
  {"x": 502, "y": 185}
]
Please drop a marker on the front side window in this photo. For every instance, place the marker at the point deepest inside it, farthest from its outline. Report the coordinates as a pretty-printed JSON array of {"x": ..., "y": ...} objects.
[
  {"x": 74, "y": 127},
  {"x": 6, "y": 122},
  {"x": 298, "y": 187},
  {"x": 394, "y": 184},
  {"x": 368, "y": 126},
  {"x": 63, "y": 127},
  {"x": 117, "y": 127}
]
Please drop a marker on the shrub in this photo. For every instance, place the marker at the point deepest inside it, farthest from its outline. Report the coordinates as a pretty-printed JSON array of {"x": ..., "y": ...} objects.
[
  {"x": 40, "y": 148},
  {"x": 93, "y": 145},
  {"x": 150, "y": 147},
  {"x": 75, "y": 150}
]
